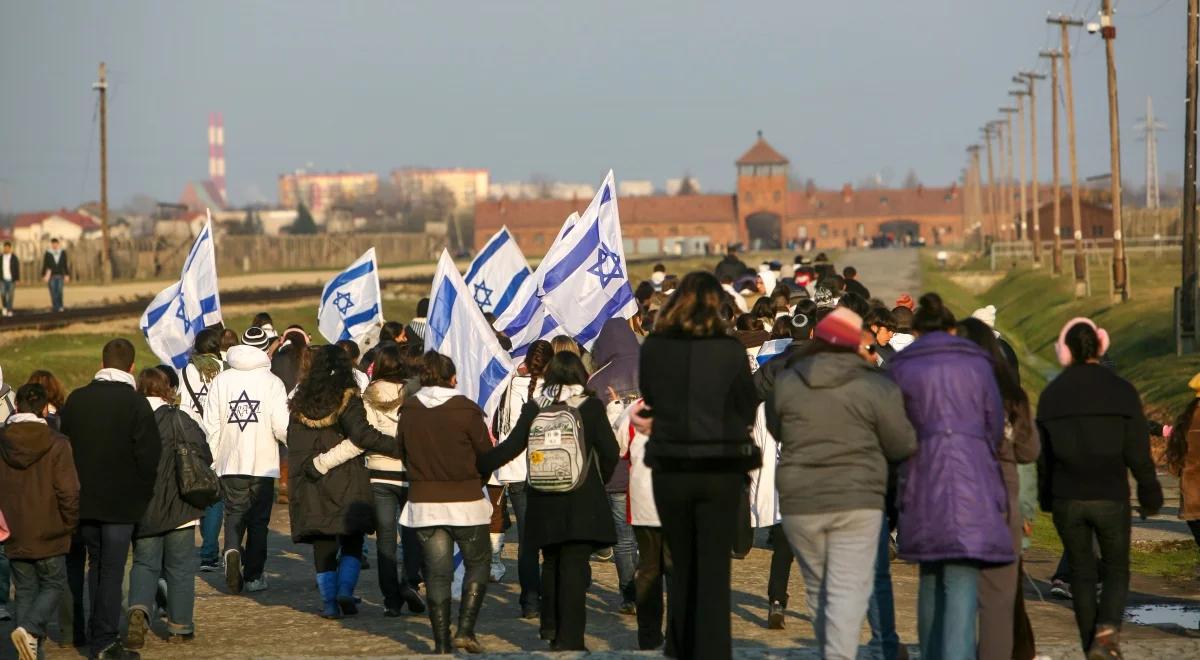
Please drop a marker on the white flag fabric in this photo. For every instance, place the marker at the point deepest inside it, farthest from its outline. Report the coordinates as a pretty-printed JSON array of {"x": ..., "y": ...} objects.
[
  {"x": 458, "y": 330},
  {"x": 179, "y": 312},
  {"x": 497, "y": 273},
  {"x": 351, "y": 306},
  {"x": 526, "y": 319},
  {"x": 586, "y": 281}
]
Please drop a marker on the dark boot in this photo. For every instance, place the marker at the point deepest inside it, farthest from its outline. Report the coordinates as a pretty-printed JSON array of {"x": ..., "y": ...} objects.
[
  {"x": 439, "y": 620},
  {"x": 468, "y": 613}
]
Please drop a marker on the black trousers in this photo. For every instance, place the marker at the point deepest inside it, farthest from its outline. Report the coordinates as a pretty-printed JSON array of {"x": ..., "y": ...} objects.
[
  {"x": 1108, "y": 522},
  {"x": 782, "y": 559},
  {"x": 699, "y": 512},
  {"x": 528, "y": 562},
  {"x": 326, "y": 550},
  {"x": 248, "y": 502},
  {"x": 654, "y": 568},
  {"x": 107, "y": 553},
  {"x": 565, "y": 578},
  {"x": 76, "y": 576}
]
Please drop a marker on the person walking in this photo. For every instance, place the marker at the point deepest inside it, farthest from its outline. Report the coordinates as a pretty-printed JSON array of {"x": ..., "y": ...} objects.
[
  {"x": 116, "y": 448},
  {"x": 953, "y": 504},
  {"x": 246, "y": 419},
  {"x": 696, "y": 383},
  {"x": 526, "y": 385},
  {"x": 330, "y": 502},
  {"x": 56, "y": 271},
  {"x": 164, "y": 543},
  {"x": 1183, "y": 460},
  {"x": 1094, "y": 435},
  {"x": 839, "y": 421},
  {"x": 567, "y": 527},
  {"x": 1000, "y": 584},
  {"x": 441, "y": 435},
  {"x": 10, "y": 274},
  {"x": 196, "y": 378},
  {"x": 39, "y": 495}
]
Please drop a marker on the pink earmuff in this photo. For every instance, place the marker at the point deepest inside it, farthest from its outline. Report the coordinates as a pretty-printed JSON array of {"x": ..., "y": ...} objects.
[{"x": 1060, "y": 347}]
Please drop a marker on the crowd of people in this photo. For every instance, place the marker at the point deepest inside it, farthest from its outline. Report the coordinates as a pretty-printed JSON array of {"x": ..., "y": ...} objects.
[{"x": 783, "y": 399}]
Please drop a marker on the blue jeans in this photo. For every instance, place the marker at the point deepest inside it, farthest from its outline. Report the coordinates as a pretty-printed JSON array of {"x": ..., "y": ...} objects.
[
  {"x": 39, "y": 585},
  {"x": 210, "y": 532},
  {"x": 529, "y": 570},
  {"x": 172, "y": 557},
  {"x": 7, "y": 288},
  {"x": 946, "y": 608},
  {"x": 56, "y": 292},
  {"x": 881, "y": 609},
  {"x": 625, "y": 551}
]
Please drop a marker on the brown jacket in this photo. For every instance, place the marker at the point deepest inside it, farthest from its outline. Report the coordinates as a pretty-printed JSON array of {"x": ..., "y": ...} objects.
[
  {"x": 39, "y": 490},
  {"x": 439, "y": 445},
  {"x": 1189, "y": 478}
]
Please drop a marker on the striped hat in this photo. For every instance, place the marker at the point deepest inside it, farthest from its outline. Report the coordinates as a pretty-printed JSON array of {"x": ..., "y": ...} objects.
[{"x": 841, "y": 327}]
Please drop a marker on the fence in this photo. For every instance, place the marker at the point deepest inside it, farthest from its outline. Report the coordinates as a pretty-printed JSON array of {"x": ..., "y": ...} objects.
[
  {"x": 161, "y": 257},
  {"x": 1003, "y": 251}
]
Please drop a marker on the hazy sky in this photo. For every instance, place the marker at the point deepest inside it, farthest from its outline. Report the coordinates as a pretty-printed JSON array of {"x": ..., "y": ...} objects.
[{"x": 565, "y": 89}]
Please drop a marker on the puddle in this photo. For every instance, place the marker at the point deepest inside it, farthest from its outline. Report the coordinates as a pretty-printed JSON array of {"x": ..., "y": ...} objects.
[{"x": 1186, "y": 616}]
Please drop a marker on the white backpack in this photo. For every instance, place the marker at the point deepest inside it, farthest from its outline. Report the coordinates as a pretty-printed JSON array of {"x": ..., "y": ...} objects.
[{"x": 558, "y": 457}]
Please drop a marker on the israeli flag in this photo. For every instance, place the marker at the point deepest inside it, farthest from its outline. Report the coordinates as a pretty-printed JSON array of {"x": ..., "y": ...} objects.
[
  {"x": 771, "y": 348},
  {"x": 457, "y": 329},
  {"x": 179, "y": 312},
  {"x": 586, "y": 280},
  {"x": 351, "y": 306},
  {"x": 497, "y": 273},
  {"x": 526, "y": 320}
]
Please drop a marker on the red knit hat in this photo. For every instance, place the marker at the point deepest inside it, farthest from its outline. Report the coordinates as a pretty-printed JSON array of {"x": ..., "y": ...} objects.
[{"x": 842, "y": 327}]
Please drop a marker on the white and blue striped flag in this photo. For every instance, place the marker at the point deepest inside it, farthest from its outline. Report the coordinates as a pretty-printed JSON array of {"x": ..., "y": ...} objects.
[
  {"x": 772, "y": 347},
  {"x": 351, "y": 306},
  {"x": 586, "y": 280},
  {"x": 179, "y": 312},
  {"x": 526, "y": 320},
  {"x": 497, "y": 272},
  {"x": 457, "y": 329}
]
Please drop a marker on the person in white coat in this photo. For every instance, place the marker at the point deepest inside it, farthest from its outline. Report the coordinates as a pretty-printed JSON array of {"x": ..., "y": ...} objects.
[
  {"x": 246, "y": 420},
  {"x": 654, "y": 560}
]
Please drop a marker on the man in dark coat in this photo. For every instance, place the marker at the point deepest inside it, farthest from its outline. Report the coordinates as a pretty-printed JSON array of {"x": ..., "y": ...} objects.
[
  {"x": 730, "y": 266},
  {"x": 56, "y": 271},
  {"x": 116, "y": 444},
  {"x": 850, "y": 275}
]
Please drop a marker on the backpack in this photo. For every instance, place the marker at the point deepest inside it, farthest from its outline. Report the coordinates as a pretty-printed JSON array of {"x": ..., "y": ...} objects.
[
  {"x": 558, "y": 456},
  {"x": 198, "y": 483}
]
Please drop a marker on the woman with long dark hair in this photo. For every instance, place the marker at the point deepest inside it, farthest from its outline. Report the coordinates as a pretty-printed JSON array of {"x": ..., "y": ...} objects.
[
  {"x": 999, "y": 584},
  {"x": 696, "y": 383},
  {"x": 567, "y": 527},
  {"x": 1094, "y": 434},
  {"x": 953, "y": 502},
  {"x": 331, "y": 503},
  {"x": 1183, "y": 460}
]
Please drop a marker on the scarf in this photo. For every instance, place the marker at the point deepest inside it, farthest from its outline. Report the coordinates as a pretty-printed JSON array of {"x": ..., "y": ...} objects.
[
  {"x": 108, "y": 374},
  {"x": 208, "y": 366},
  {"x": 56, "y": 255},
  {"x": 558, "y": 393},
  {"x": 17, "y": 418}
]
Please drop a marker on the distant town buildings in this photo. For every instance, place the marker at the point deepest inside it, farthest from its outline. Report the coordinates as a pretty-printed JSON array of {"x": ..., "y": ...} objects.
[
  {"x": 201, "y": 195},
  {"x": 467, "y": 185},
  {"x": 62, "y": 224},
  {"x": 541, "y": 190},
  {"x": 635, "y": 188},
  {"x": 674, "y": 186},
  {"x": 320, "y": 190}
]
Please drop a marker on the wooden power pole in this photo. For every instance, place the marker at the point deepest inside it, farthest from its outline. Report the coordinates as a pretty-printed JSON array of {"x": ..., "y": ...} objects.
[
  {"x": 988, "y": 133},
  {"x": 1187, "y": 299},
  {"x": 101, "y": 86},
  {"x": 1020, "y": 94},
  {"x": 1056, "y": 256},
  {"x": 1009, "y": 179},
  {"x": 1035, "y": 184},
  {"x": 1120, "y": 272},
  {"x": 1064, "y": 24}
]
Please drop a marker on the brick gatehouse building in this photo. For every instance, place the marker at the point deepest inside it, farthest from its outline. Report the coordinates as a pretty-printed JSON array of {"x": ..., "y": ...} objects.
[{"x": 766, "y": 212}]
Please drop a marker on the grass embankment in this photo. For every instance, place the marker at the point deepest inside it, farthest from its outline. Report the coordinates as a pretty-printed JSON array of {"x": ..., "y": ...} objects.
[{"x": 1031, "y": 307}]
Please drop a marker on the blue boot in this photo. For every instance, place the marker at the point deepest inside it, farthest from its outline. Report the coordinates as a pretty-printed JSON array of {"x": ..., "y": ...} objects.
[
  {"x": 327, "y": 584},
  {"x": 347, "y": 579}
]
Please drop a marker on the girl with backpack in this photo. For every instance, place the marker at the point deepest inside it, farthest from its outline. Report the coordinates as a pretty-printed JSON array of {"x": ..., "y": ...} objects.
[{"x": 566, "y": 526}]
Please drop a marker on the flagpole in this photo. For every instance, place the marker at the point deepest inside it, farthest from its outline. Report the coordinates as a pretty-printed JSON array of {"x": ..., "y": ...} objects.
[
  {"x": 212, "y": 236},
  {"x": 378, "y": 292}
]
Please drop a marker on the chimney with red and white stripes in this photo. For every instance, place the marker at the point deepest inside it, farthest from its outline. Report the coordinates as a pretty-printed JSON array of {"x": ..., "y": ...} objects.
[{"x": 216, "y": 153}]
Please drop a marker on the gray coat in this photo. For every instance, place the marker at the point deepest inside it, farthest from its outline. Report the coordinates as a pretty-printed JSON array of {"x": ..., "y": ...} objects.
[{"x": 839, "y": 421}]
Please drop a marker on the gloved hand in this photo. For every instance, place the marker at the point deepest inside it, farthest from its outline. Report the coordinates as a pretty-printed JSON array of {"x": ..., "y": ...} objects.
[{"x": 311, "y": 471}]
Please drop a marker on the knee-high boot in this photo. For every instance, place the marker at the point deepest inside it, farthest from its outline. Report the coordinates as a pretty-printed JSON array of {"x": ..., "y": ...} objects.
[
  {"x": 439, "y": 620},
  {"x": 468, "y": 613},
  {"x": 347, "y": 580},
  {"x": 327, "y": 586}
]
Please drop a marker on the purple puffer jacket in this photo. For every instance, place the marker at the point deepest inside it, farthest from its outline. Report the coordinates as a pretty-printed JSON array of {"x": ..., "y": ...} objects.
[{"x": 953, "y": 504}]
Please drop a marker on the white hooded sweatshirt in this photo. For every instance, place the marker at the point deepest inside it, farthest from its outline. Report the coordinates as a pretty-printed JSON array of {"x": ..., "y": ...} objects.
[{"x": 245, "y": 415}]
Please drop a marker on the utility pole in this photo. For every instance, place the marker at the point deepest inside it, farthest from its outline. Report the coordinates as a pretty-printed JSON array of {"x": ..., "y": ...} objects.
[
  {"x": 1002, "y": 171},
  {"x": 988, "y": 132},
  {"x": 1035, "y": 183},
  {"x": 976, "y": 196},
  {"x": 1008, "y": 166},
  {"x": 1020, "y": 94},
  {"x": 1150, "y": 128},
  {"x": 1120, "y": 273},
  {"x": 1186, "y": 300},
  {"x": 101, "y": 86},
  {"x": 1064, "y": 23},
  {"x": 1056, "y": 254}
]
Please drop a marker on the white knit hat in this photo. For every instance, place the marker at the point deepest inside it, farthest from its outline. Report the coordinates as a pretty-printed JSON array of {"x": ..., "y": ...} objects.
[{"x": 986, "y": 314}]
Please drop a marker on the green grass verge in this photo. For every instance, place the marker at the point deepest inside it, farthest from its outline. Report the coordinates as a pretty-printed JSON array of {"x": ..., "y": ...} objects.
[{"x": 1171, "y": 559}]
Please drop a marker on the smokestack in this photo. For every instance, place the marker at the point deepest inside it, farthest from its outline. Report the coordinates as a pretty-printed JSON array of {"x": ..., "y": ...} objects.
[{"x": 216, "y": 154}]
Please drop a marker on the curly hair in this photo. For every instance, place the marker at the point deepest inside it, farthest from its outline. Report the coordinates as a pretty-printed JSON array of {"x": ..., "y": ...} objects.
[{"x": 329, "y": 375}]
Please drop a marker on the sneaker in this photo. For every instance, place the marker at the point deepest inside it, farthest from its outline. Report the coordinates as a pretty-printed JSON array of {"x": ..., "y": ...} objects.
[
  {"x": 412, "y": 598},
  {"x": 531, "y": 611},
  {"x": 27, "y": 645},
  {"x": 603, "y": 554},
  {"x": 180, "y": 639},
  {"x": 210, "y": 565},
  {"x": 1060, "y": 589},
  {"x": 497, "y": 571},
  {"x": 135, "y": 635},
  {"x": 628, "y": 608},
  {"x": 4, "y": 615},
  {"x": 775, "y": 616},
  {"x": 115, "y": 651},
  {"x": 255, "y": 586},
  {"x": 1105, "y": 645},
  {"x": 233, "y": 570}
]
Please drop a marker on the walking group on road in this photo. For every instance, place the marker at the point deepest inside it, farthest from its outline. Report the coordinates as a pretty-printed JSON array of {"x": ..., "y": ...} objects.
[{"x": 784, "y": 399}]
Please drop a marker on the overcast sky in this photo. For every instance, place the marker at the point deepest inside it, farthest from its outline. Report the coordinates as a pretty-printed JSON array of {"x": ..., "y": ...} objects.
[{"x": 563, "y": 89}]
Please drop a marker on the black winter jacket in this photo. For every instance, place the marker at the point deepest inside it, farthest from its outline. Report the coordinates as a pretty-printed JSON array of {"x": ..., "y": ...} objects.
[
  {"x": 167, "y": 509},
  {"x": 50, "y": 267},
  {"x": 581, "y": 515},
  {"x": 115, "y": 441},
  {"x": 340, "y": 502}
]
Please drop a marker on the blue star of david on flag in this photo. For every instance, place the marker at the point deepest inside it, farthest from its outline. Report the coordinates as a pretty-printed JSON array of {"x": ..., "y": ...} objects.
[
  {"x": 483, "y": 295},
  {"x": 343, "y": 302},
  {"x": 603, "y": 256},
  {"x": 243, "y": 411},
  {"x": 181, "y": 314}
]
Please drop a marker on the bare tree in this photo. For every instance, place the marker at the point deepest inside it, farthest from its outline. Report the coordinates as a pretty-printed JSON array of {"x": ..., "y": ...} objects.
[{"x": 911, "y": 180}]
